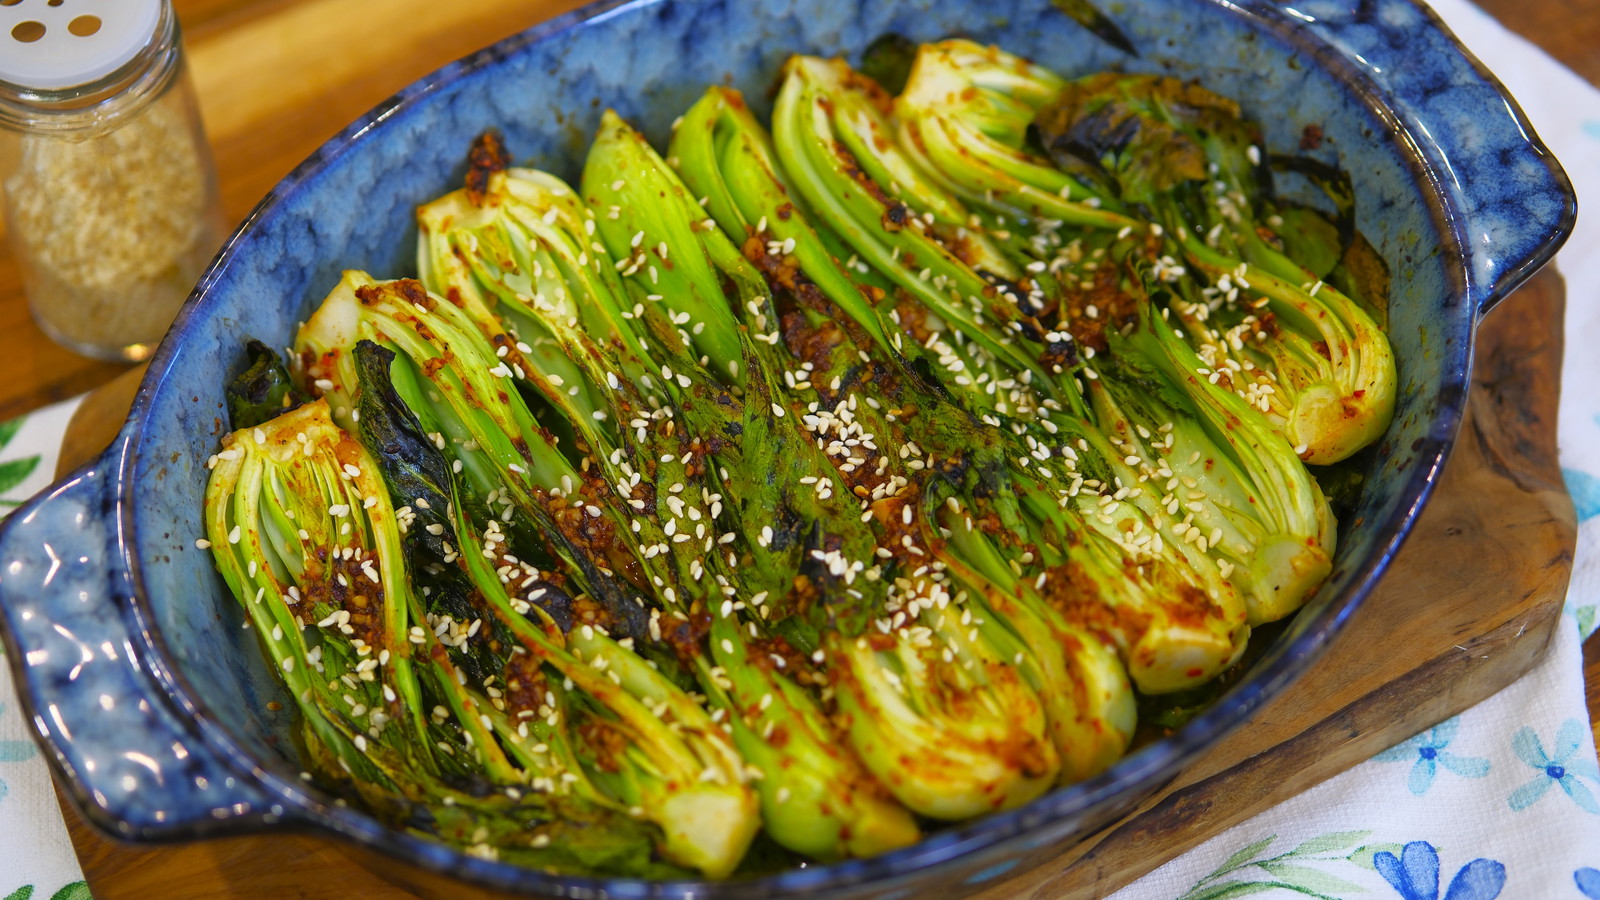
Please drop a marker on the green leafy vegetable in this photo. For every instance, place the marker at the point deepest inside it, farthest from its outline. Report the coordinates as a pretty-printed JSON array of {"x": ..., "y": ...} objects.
[
  {"x": 263, "y": 391},
  {"x": 878, "y": 470}
]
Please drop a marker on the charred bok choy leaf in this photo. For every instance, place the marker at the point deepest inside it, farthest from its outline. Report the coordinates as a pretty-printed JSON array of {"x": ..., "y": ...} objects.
[{"x": 614, "y": 730}]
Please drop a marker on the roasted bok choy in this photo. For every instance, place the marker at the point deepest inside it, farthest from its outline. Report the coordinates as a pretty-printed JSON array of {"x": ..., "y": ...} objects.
[{"x": 783, "y": 494}]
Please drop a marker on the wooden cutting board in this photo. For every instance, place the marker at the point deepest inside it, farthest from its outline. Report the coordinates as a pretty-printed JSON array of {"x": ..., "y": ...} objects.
[{"x": 1467, "y": 606}]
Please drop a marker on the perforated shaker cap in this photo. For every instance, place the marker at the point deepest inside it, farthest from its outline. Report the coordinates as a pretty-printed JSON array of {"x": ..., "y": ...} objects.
[{"x": 56, "y": 44}]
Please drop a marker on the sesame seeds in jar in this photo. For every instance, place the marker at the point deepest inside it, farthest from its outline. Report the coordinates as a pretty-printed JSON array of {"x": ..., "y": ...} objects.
[{"x": 111, "y": 202}]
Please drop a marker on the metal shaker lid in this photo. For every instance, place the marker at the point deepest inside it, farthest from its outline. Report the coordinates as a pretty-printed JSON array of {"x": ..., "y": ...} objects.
[{"x": 57, "y": 44}]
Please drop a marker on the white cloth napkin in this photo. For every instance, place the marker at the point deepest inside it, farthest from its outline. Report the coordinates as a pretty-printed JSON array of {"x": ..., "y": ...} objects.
[{"x": 1500, "y": 802}]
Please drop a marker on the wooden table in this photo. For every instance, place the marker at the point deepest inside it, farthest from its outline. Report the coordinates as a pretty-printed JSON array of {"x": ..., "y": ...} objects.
[{"x": 276, "y": 77}]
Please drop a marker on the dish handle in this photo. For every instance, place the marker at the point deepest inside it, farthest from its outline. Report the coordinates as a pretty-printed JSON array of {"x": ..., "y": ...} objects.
[
  {"x": 1516, "y": 204},
  {"x": 134, "y": 762},
  {"x": 1510, "y": 235}
]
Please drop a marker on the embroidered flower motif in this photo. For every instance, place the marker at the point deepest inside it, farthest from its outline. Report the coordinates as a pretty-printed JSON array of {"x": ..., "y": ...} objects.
[
  {"x": 1428, "y": 751},
  {"x": 1415, "y": 875},
  {"x": 1563, "y": 766}
]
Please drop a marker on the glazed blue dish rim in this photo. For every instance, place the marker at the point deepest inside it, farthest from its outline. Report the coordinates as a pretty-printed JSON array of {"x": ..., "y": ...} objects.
[{"x": 1144, "y": 767}]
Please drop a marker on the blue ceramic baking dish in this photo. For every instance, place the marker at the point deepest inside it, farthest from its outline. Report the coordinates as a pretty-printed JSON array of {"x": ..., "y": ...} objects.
[{"x": 152, "y": 701}]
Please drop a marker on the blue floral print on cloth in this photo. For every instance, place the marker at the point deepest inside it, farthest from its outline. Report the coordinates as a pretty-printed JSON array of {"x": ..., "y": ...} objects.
[
  {"x": 1567, "y": 762},
  {"x": 1428, "y": 751},
  {"x": 1345, "y": 864},
  {"x": 1585, "y": 491},
  {"x": 1588, "y": 881},
  {"x": 1415, "y": 874}
]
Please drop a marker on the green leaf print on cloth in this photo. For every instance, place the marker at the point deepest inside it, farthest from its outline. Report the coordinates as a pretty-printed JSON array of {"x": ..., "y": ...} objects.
[
  {"x": 1308, "y": 869},
  {"x": 77, "y": 890},
  {"x": 13, "y": 471}
]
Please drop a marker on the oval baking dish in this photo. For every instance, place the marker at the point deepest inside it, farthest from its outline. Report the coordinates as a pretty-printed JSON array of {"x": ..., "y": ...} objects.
[{"x": 153, "y": 701}]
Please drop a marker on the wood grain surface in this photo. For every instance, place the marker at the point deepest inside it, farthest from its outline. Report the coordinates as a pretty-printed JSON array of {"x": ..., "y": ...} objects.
[{"x": 277, "y": 77}]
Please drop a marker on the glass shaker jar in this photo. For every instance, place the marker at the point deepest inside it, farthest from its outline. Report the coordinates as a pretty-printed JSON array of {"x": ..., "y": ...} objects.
[{"x": 110, "y": 197}]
